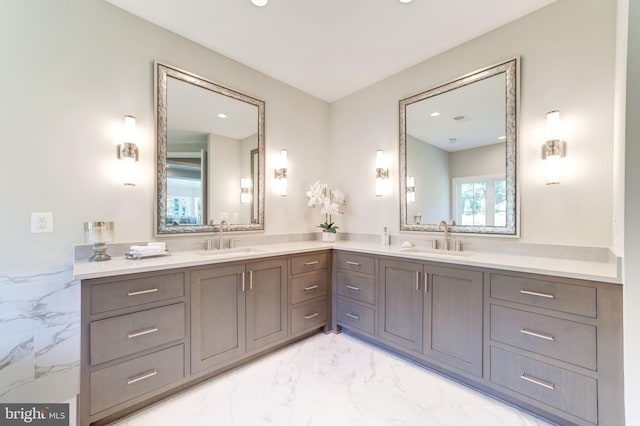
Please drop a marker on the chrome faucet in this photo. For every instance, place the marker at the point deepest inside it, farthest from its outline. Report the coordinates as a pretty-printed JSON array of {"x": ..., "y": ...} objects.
[
  {"x": 223, "y": 223},
  {"x": 447, "y": 229}
]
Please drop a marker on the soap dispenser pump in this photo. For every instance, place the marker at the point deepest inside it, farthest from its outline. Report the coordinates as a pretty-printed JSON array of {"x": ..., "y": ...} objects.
[{"x": 384, "y": 239}]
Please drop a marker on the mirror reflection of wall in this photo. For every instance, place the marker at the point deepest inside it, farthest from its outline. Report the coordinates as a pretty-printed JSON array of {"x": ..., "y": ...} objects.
[{"x": 221, "y": 132}]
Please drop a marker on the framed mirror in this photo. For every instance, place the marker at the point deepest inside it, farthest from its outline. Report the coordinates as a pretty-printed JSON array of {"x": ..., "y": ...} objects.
[
  {"x": 210, "y": 155},
  {"x": 458, "y": 154}
]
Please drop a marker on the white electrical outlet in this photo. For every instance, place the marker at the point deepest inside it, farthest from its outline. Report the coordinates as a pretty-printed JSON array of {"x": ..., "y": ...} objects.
[{"x": 41, "y": 222}]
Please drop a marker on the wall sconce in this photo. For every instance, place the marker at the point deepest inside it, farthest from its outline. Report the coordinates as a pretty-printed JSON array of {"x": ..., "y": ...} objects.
[
  {"x": 411, "y": 189},
  {"x": 245, "y": 185},
  {"x": 382, "y": 172},
  {"x": 280, "y": 174},
  {"x": 128, "y": 151},
  {"x": 554, "y": 148}
]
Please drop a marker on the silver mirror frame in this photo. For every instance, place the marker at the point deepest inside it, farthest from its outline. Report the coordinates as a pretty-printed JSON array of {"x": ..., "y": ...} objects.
[
  {"x": 511, "y": 68},
  {"x": 162, "y": 71}
]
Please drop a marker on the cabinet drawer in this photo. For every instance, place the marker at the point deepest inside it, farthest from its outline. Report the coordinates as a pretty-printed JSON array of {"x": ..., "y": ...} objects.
[
  {"x": 356, "y": 262},
  {"x": 308, "y": 315},
  {"x": 567, "y": 391},
  {"x": 574, "y": 299},
  {"x": 133, "y": 292},
  {"x": 127, "y": 334},
  {"x": 557, "y": 338},
  {"x": 356, "y": 287},
  {"x": 309, "y": 262},
  {"x": 121, "y": 382},
  {"x": 353, "y": 315},
  {"x": 308, "y": 287}
]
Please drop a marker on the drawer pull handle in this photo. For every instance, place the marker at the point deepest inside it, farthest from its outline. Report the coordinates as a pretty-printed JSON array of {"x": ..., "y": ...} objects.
[
  {"x": 145, "y": 375},
  {"x": 417, "y": 281},
  {"x": 250, "y": 280},
  {"x": 535, "y": 293},
  {"x": 537, "y": 381},
  {"x": 537, "y": 334},
  {"x": 315, "y": 262},
  {"x": 313, "y": 287},
  {"x": 355, "y": 317},
  {"x": 350, "y": 287},
  {"x": 142, "y": 332},
  {"x": 313, "y": 315},
  {"x": 352, "y": 263},
  {"x": 136, "y": 293}
]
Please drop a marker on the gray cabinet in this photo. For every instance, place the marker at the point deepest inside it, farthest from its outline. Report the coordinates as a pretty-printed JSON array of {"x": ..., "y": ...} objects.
[
  {"x": 309, "y": 288},
  {"x": 435, "y": 311},
  {"x": 355, "y": 291},
  {"x": 555, "y": 344},
  {"x": 235, "y": 310},
  {"x": 452, "y": 332},
  {"x": 134, "y": 338}
]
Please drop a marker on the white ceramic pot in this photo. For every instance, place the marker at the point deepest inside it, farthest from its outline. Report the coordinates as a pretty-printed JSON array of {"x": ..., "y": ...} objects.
[{"x": 328, "y": 237}]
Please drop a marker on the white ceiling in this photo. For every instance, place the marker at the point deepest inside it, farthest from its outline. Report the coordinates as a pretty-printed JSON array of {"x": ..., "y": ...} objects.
[{"x": 330, "y": 48}]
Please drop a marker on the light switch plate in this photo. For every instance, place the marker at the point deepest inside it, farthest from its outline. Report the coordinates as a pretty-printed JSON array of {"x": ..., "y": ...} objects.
[{"x": 41, "y": 222}]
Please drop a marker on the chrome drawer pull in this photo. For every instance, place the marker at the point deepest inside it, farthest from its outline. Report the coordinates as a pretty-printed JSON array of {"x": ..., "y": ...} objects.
[
  {"x": 350, "y": 287},
  {"x": 537, "y": 381},
  {"x": 355, "y": 317},
  {"x": 145, "y": 375},
  {"x": 313, "y": 315},
  {"x": 135, "y": 293},
  {"x": 535, "y": 293},
  {"x": 352, "y": 263},
  {"x": 142, "y": 332},
  {"x": 537, "y": 334},
  {"x": 313, "y": 287},
  {"x": 315, "y": 262}
]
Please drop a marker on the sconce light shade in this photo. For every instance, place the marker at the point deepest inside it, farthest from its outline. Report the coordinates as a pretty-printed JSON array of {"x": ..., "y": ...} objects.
[
  {"x": 382, "y": 172},
  {"x": 245, "y": 195},
  {"x": 128, "y": 152},
  {"x": 280, "y": 174},
  {"x": 554, "y": 148},
  {"x": 411, "y": 189}
]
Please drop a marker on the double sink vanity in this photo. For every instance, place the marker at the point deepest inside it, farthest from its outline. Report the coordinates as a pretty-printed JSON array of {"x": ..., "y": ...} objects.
[{"x": 543, "y": 334}]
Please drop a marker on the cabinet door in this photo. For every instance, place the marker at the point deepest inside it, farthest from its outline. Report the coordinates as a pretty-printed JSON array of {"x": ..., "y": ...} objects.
[
  {"x": 217, "y": 316},
  {"x": 453, "y": 317},
  {"x": 400, "y": 303},
  {"x": 266, "y": 298}
]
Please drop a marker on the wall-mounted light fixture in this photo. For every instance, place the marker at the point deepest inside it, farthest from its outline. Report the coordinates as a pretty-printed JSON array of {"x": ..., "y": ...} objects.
[
  {"x": 382, "y": 172},
  {"x": 411, "y": 189},
  {"x": 245, "y": 185},
  {"x": 554, "y": 148},
  {"x": 128, "y": 151},
  {"x": 280, "y": 174}
]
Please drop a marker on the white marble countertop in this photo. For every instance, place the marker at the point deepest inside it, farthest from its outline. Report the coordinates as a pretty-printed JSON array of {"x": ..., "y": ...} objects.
[{"x": 580, "y": 269}]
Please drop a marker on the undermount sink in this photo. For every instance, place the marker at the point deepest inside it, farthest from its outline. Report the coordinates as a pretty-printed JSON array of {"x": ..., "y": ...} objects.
[
  {"x": 430, "y": 251},
  {"x": 226, "y": 252}
]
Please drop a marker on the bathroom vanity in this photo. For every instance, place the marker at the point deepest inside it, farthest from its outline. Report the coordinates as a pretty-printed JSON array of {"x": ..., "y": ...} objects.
[{"x": 542, "y": 334}]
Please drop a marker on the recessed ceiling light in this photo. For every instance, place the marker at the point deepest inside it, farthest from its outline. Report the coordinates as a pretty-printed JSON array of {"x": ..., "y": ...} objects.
[
  {"x": 222, "y": 115},
  {"x": 259, "y": 3},
  {"x": 406, "y": 1},
  {"x": 453, "y": 140},
  {"x": 435, "y": 114}
]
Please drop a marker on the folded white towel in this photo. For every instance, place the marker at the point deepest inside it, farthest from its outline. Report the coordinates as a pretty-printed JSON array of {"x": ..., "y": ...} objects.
[{"x": 147, "y": 249}]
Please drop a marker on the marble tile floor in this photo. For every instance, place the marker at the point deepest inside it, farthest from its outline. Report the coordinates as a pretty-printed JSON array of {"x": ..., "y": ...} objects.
[{"x": 333, "y": 380}]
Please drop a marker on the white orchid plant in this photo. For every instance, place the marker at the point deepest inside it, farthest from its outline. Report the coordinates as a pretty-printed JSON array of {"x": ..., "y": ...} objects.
[{"x": 330, "y": 202}]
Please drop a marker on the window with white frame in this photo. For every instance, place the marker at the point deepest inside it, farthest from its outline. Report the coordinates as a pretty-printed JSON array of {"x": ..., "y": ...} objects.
[{"x": 480, "y": 200}]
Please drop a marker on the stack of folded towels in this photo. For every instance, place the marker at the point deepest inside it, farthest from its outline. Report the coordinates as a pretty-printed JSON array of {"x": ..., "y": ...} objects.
[{"x": 150, "y": 249}]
